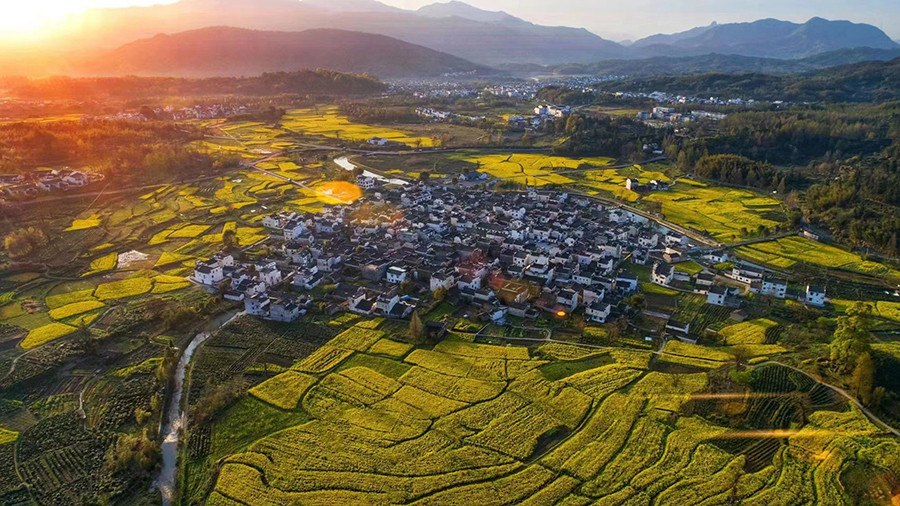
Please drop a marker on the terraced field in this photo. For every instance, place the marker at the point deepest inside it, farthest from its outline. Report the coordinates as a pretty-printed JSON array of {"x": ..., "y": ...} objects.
[{"x": 464, "y": 423}]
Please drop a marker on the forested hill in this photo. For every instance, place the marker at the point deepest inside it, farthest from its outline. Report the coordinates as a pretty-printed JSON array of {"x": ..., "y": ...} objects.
[
  {"x": 222, "y": 51},
  {"x": 303, "y": 82},
  {"x": 873, "y": 81}
]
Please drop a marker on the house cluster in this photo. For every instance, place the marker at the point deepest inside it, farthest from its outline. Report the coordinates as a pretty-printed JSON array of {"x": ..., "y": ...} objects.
[
  {"x": 504, "y": 254},
  {"x": 258, "y": 285},
  {"x": 667, "y": 98},
  {"x": 45, "y": 181},
  {"x": 755, "y": 280},
  {"x": 433, "y": 114},
  {"x": 173, "y": 114},
  {"x": 651, "y": 186},
  {"x": 542, "y": 114},
  {"x": 759, "y": 281}
]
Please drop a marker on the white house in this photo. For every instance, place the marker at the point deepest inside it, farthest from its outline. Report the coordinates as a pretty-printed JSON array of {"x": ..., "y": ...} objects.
[
  {"x": 663, "y": 273},
  {"x": 627, "y": 281},
  {"x": 365, "y": 182},
  {"x": 774, "y": 287},
  {"x": 284, "y": 310},
  {"x": 716, "y": 295},
  {"x": 378, "y": 141},
  {"x": 208, "y": 272},
  {"x": 597, "y": 311},
  {"x": 567, "y": 299},
  {"x": 257, "y": 305},
  {"x": 396, "y": 275},
  {"x": 815, "y": 295},
  {"x": 746, "y": 273},
  {"x": 442, "y": 280},
  {"x": 271, "y": 276}
]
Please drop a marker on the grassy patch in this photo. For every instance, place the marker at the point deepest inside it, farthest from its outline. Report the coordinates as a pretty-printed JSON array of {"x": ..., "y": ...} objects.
[{"x": 563, "y": 369}]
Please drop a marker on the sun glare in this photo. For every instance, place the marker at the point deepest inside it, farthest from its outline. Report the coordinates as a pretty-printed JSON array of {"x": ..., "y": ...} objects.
[
  {"x": 25, "y": 19},
  {"x": 36, "y": 19}
]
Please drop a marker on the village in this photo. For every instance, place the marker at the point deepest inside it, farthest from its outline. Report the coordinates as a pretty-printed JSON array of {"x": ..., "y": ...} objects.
[
  {"x": 45, "y": 181},
  {"x": 509, "y": 257}
]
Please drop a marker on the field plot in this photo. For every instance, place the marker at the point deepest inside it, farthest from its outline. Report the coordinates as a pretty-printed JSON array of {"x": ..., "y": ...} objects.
[
  {"x": 328, "y": 123},
  {"x": 721, "y": 212},
  {"x": 749, "y": 332},
  {"x": 460, "y": 427},
  {"x": 532, "y": 169},
  {"x": 790, "y": 250}
]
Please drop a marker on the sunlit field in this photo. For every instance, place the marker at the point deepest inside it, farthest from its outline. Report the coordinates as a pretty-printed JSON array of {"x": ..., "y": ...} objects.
[
  {"x": 326, "y": 122},
  {"x": 721, "y": 212},
  {"x": 792, "y": 250}
]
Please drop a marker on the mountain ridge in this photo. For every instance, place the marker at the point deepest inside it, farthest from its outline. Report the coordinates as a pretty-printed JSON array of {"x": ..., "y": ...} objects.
[
  {"x": 228, "y": 51},
  {"x": 484, "y": 37}
]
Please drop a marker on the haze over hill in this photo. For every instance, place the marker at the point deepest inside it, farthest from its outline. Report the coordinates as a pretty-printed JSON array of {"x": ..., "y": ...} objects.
[
  {"x": 483, "y": 37},
  {"x": 221, "y": 51}
]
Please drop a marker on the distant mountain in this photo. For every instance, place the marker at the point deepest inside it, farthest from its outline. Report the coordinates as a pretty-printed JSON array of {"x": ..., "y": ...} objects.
[
  {"x": 767, "y": 38},
  {"x": 223, "y": 51},
  {"x": 483, "y": 37},
  {"x": 351, "y": 6},
  {"x": 662, "y": 39},
  {"x": 465, "y": 11},
  {"x": 664, "y": 65},
  {"x": 480, "y": 36}
]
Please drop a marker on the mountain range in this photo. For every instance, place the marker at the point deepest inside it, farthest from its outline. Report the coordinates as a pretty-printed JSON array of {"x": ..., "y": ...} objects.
[
  {"x": 225, "y": 51},
  {"x": 487, "y": 38}
]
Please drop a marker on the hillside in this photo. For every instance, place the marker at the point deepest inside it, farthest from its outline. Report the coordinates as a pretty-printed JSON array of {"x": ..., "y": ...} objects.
[
  {"x": 714, "y": 62},
  {"x": 861, "y": 82},
  {"x": 303, "y": 82},
  {"x": 224, "y": 51}
]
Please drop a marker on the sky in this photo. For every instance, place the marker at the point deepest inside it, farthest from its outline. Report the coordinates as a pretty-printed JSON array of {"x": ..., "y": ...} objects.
[{"x": 612, "y": 19}]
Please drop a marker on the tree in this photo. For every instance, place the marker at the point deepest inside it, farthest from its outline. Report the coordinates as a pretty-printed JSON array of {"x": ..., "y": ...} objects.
[
  {"x": 24, "y": 241},
  {"x": 864, "y": 378},
  {"x": 851, "y": 339},
  {"x": 230, "y": 240},
  {"x": 416, "y": 329}
]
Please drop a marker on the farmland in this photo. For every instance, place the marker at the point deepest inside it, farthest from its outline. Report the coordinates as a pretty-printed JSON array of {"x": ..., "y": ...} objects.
[
  {"x": 720, "y": 212},
  {"x": 479, "y": 422},
  {"x": 531, "y": 169},
  {"x": 329, "y": 123},
  {"x": 787, "y": 252}
]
